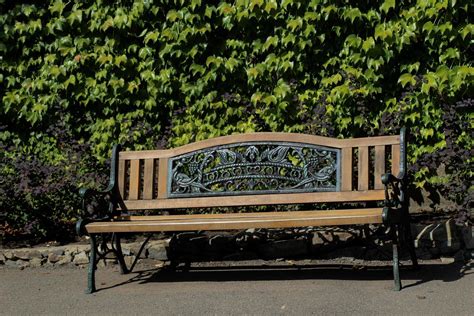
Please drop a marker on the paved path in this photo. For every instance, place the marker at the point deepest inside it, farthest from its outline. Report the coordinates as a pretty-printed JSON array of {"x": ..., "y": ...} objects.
[{"x": 436, "y": 289}]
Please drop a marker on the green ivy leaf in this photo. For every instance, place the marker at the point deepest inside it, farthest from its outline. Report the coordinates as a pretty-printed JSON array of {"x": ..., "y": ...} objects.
[
  {"x": 387, "y": 5},
  {"x": 368, "y": 44},
  {"x": 407, "y": 79}
]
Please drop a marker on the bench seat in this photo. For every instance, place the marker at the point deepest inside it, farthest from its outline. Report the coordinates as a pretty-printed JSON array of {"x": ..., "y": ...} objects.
[{"x": 160, "y": 223}]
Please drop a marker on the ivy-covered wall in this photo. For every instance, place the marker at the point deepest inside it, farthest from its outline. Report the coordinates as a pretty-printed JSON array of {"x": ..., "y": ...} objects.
[{"x": 77, "y": 76}]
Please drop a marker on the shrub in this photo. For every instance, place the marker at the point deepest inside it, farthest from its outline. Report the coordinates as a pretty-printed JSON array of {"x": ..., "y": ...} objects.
[{"x": 156, "y": 73}]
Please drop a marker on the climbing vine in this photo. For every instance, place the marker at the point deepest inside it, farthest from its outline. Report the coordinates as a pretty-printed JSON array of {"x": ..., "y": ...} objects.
[{"x": 154, "y": 73}]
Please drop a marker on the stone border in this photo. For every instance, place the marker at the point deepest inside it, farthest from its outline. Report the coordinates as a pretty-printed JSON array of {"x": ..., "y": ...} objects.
[
  {"x": 267, "y": 244},
  {"x": 74, "y": 255}
]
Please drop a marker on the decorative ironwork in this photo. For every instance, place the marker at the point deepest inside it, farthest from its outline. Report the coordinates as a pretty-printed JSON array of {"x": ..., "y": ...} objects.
[{"x": 253, "y": 168}]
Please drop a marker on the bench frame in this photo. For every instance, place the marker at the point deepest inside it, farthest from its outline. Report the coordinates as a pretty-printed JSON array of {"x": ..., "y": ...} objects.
[{"x": 143, "y": 192}]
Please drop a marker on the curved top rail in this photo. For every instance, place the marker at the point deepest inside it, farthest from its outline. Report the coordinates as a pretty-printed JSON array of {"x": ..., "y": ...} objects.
[
  {"x": 262, "y": 137},
  {"x": 256, "y": 137}
]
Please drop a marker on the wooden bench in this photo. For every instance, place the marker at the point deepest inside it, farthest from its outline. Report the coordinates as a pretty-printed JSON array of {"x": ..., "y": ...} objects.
[{"x": 251, "y": 170}]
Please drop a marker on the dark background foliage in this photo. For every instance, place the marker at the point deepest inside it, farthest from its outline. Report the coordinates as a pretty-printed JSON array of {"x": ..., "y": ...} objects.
[{"x": 78, "y": 76}]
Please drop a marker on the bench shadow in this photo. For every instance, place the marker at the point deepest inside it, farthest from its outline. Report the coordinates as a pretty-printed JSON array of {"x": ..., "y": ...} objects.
[{"x": 410, "y": 277}]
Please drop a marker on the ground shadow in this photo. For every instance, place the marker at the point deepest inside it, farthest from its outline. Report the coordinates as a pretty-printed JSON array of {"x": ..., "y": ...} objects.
[{"x": 426, "y": 273}]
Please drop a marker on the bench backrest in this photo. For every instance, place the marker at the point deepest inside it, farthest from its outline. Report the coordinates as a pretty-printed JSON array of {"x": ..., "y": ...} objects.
[{"x": 258, "y": 169}]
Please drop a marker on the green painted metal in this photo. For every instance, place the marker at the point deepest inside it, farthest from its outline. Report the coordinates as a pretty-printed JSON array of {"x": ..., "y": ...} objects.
[
  {"x": 396, "y": 264},
  {"x": 119, "y": 254},
  {"x": 92, "y": 266},
  {"x": 111, "y": 191},
  {"x": 391, "y": 215},
  {"x": 396, "y": 210},
  {"x": 254, "y": 168},
  {"x": 139, "y": 253}
]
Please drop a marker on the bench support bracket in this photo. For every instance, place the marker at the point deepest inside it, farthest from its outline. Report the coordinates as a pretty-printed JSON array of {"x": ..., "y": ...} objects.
[{"x": 100, "y": 250}]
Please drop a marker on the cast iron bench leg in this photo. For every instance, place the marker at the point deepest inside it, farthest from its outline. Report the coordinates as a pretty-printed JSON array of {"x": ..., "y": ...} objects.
[
  {"x": 396, "y": 261},
  {"x": 92, "y": 266}
]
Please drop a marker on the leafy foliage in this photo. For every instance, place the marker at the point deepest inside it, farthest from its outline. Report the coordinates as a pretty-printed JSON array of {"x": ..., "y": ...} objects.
[
  {"x": 156, "y": 73},
  {"x": 39, "y": 188}
]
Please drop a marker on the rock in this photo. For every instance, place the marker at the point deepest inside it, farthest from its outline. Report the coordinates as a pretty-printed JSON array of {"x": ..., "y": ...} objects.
[
  {"x": 53, "y": 258},
  {"x": 23, "y": 255},
  {"x": 2, "y": 258},
  {"x": 440, "y": 238},
  {"x": 327, "y": 237},
  {"x": 434, "y": 251},
  {"x": 11, "y": 264},
  {"x": 36, "y": 262},
  {"x": 129, "y": 261},
  {"x": 467, "y": 235},
  {"x": 66, "y": 259},
  {"x": 423, "y": 254},
  {"x": 18, "y": 264},
  {"x": 219, "y": 243},
  {"x": 189, "y": 235},
  {"x": 58, "y": 251},
  {"x": 447, "y": 260},
  {"x": 76, "y": 249},
  {"x": 135, "y": 248},
  {"x": 346, "y": 252},
  {"x": 317, "y": 240},
  {"x": 241, "y": 255},
  {"x": 81, "y": 258},
  {"x": 157, "y": 252},
  {"x": 23, "y": 264},
  {"x": 107, "y": 263},
  {"x": 343, "y": 236},
  {"x": 9, "y": 255},
  {"x": 459, "y": 256},
  {"x": 160, "y": 264},
  {"x": 36, "y": 254},
  {"x": 126, "y": 251},
  {"x": 469, "y": 254},
  {"x": 188, "y": 245},
  {"x": 27, "y": 254},
  {"x": 449, "y": 247},
  {"x": 283, "y": 248}
]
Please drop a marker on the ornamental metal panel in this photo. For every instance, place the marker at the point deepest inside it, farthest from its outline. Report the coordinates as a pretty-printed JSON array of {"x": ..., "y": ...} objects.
[{"x": 254, "y": 168}]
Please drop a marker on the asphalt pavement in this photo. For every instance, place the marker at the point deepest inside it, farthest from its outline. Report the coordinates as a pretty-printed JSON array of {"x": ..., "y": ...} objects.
[{"x": 243, "y": 289}]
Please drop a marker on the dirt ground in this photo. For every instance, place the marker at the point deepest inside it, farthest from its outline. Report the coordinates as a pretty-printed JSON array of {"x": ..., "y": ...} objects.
[{"x": 248, "y": 288}]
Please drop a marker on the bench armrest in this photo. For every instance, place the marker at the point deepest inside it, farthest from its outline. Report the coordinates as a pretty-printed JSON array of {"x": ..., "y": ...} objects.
[
  {"x": 394, "y": 189},
  {"x": 92, "y": 211},
  {"x": 87, "y": 192},
  {"x": 389, "y": 178}
]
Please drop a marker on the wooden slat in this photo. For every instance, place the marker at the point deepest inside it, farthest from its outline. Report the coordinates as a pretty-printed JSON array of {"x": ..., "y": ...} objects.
[
  {"x": 261, "y": 199},
  {"x": 134, "y": 180},
  {"x": 285, "y": 213},
  {"x": 370, "y": 141},
  {"x": 163, "y": 178},
  {"x": 264, "y": 137},
  {"x": 148, "y": 174},
  {"x": 363, "y": 168},
  {"x": 379, "y": 166},
  {"x": 121, "y": 178},
  {"x": 312, "y": 218},
  {"x": 346, "y": 169},
  {"x": 395, "y": 159},
  {"x": 145, "y": 154}
]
